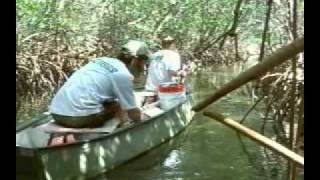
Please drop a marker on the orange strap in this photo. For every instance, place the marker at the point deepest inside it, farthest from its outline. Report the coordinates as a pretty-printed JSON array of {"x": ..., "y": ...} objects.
[{"x": 172, "y": 89}]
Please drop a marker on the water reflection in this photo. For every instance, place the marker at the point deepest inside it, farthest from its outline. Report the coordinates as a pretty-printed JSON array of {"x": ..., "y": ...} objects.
[{"x": 172, "y": 160}]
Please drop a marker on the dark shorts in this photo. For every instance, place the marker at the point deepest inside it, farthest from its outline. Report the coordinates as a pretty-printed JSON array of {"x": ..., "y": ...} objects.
[{"x": 94, "y": 120}]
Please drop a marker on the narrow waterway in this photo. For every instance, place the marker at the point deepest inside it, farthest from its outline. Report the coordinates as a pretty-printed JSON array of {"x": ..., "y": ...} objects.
[{"x": 206, "y": 149}]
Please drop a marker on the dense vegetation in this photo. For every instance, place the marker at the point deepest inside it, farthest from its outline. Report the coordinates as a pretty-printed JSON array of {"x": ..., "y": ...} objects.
[{"x": 55, "y": 37}]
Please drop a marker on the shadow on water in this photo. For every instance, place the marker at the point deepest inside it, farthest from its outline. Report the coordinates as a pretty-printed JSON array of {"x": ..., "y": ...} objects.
[{"x": 207, "y": 149}]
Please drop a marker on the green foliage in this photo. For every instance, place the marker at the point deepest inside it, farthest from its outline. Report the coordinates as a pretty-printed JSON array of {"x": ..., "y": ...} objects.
[
  {"x": 119, "y": 21},
  {"x": 85, "y": 28}
]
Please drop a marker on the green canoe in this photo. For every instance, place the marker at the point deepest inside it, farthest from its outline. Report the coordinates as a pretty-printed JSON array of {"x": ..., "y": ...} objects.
[{"x": 92, "y": 156}]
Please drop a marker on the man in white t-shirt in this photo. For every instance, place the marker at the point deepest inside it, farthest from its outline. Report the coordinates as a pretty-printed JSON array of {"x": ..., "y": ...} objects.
[
  {"x": 100, "y": 89},
  {"x": 164, "y": 67}
]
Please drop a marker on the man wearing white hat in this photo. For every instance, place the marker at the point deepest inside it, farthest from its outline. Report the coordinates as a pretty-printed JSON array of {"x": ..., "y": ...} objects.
[{"x": 97, "y": 91}]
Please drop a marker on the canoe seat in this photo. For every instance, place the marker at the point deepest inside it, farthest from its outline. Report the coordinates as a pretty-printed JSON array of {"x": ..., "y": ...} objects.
[
  {"x": 52, "y": 127},
  {"x": 109, "y": 126},
  {"x": 153, "y": 111}
]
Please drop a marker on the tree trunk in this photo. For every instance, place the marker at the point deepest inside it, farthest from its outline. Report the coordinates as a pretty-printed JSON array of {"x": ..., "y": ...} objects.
[
  {"x": 265, "y": 30},
  {"x": 292, "y": 167},
  {"x": 235, "y": 23}
]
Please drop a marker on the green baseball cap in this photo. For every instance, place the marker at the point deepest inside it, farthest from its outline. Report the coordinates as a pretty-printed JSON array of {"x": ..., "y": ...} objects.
[{"x": 136, "y": 48}]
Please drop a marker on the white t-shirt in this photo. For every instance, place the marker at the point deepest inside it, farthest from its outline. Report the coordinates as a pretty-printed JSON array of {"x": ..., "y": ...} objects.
[
  {"x": 162, "y": 62},
  {"x": 85, "y": 91}
]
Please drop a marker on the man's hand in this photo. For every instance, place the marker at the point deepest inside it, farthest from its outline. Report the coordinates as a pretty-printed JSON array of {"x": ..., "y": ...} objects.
[
  {"x": 135, "y": 114},
  {"x": 182, "y": 73}
]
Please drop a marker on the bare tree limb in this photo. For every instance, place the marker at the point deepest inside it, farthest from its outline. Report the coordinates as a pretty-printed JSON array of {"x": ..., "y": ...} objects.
[{"x": 265, "y": 30}]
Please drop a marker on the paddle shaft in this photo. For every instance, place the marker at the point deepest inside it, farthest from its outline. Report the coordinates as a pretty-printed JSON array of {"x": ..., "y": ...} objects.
[{"x": 257, "y": 137}]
